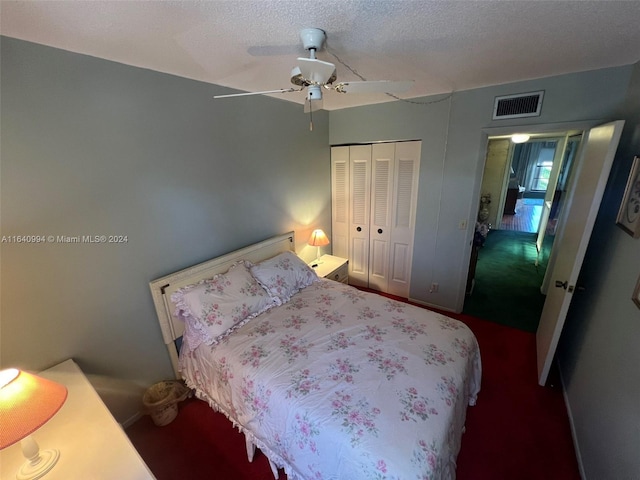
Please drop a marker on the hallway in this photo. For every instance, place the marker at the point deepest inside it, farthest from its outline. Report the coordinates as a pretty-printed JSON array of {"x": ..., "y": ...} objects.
[
  {"x": 508, "y": 276},
  {"x": 527, "y": 217}
]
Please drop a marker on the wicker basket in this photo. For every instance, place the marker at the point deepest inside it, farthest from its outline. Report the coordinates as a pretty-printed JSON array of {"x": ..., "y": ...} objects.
[{"x": 161, "y": 401}]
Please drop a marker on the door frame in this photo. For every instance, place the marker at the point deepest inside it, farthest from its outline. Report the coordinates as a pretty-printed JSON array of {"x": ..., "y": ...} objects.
[{"x": 550, "y": 129}]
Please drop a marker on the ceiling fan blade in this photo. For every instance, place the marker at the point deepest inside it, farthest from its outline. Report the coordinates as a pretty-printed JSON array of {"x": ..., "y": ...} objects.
[
  {"x": 245, "y": 94},
  {"x": 316, "y": 71},
  {"x": 379, "y": 86},
  {"x": 275, "y": 50}
]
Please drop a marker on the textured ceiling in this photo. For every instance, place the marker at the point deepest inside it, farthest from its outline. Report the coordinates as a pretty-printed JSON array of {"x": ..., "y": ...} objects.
[{"x": 252, "y": 45}]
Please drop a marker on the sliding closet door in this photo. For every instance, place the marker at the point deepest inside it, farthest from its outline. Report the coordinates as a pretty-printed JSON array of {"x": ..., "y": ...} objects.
[
  {"x": 403, "y": 216},
  {"x": 340, "y": 201},
  {"x": 380, "y": 232},
  {"x": 360, "y": 193}
]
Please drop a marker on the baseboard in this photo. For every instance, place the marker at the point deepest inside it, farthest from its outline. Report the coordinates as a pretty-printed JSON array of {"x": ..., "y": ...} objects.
[
  {"x": 432, "y": 305},
  {"x": 131, "y": 420},
  {"x": 574, "y": 437},
  {"x": 123, "y": 398}
]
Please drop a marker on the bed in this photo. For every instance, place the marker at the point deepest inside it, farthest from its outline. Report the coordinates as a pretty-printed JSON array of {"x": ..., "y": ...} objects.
[{"x": 329, "y": 381}]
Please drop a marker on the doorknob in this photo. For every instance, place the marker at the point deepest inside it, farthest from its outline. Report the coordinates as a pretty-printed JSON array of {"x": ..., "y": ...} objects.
[
  {"x": 359, "y": 229},
  {"x": 379, "y": 230},
  {"x": 561, "y": 284}
]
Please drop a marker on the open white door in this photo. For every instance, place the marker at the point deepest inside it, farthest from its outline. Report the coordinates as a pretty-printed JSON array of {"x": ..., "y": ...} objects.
[{"x": 579, "y": 215}]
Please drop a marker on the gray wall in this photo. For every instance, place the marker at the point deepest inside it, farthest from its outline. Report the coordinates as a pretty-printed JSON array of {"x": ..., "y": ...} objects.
[
  {"x": 92, "y": 147},
  {"x": 598, "y": 354}
]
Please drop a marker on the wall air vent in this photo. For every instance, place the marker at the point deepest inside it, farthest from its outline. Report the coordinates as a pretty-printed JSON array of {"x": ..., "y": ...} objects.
[{"x": 518, "y": 106}]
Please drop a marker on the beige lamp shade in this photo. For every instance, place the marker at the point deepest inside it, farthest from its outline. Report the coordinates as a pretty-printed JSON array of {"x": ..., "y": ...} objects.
[
  {"x": 318, "y": 238},
  {"x": 26, "y": 403}
]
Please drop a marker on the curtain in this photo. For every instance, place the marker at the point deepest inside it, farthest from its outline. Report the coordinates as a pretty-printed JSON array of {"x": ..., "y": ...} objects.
[{"x": 525, "y": 157}]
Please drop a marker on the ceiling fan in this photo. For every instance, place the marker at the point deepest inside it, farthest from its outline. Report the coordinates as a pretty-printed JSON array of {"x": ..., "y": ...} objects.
[{"x": 314, "y": 75}]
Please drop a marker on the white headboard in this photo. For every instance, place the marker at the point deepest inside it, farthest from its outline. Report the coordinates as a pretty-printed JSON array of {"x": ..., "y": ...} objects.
[{"x": 162, "y": 288}]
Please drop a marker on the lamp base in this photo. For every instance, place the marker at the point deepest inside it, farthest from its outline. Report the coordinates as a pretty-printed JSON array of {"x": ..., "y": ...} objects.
[{"x": 28, "y": 471}]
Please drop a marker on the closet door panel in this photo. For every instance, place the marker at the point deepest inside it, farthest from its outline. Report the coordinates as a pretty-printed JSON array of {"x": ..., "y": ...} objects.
[
  {"x": 378, "y": 265},
  {"x": 401, "y": 261},
  {"x": 359, "y": 262},
  {"x": 405, "y": 196},
  {"x": 359, "y": 214},
  {"x": 340, "y": 201},
  {"x": 382, "y": 173}
]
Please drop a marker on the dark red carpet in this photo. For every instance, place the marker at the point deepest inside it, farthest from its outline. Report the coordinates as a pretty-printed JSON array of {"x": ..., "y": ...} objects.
[
  {"x": 198, "y": 444},
  {"x": 517, "y": 430}
]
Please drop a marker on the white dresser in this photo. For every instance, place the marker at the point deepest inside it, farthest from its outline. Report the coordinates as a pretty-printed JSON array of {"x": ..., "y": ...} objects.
[{"x": 92, "y": 444}]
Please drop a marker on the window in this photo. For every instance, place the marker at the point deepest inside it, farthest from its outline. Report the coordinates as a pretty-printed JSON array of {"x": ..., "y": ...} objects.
[
  {"x": 541, "y": 167},
  {"x": 541, "y": 175}
]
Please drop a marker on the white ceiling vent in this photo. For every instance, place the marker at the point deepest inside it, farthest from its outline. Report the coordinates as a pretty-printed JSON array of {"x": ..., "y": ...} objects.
[{"x": 518, "y": 106}]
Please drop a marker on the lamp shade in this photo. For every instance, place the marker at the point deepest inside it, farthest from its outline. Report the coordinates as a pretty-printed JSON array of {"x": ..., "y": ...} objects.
[
  {"x": 26, "y": 403},
  {"x": 318, "y": 238}
]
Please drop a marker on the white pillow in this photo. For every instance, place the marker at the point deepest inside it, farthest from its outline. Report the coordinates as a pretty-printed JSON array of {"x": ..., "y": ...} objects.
[
  {"x": 283, "y": 275},
  {"x": 215, "y": 307}
]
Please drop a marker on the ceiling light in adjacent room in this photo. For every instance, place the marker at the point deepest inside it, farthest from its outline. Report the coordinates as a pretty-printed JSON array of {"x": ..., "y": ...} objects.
[{"x": 520, "y": 138}]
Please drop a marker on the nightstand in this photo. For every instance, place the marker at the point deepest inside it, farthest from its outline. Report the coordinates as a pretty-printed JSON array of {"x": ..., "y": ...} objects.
[
  {"x": 92, "y": 444},
  {"x": 333, "y": 268}
]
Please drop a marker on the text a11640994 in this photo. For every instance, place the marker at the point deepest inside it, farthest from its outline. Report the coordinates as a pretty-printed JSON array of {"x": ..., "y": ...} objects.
[{"x": 65, "y": 239}]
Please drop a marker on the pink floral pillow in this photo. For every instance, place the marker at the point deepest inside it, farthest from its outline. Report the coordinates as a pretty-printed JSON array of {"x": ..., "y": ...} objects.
[
  {"x": 215, "y": 307},
  {"x": 283, "y": 275}
]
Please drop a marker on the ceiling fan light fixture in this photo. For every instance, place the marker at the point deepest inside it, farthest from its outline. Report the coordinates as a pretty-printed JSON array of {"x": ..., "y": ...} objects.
[
  {"x": 520, "y": 138},
  {"x": 314, "y": 92},
  {"x": 298, "y": 79}
]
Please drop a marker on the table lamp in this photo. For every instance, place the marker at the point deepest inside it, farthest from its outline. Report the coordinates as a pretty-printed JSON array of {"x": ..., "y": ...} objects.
[
  {"x": 26, "y": 403},
  {"x": 318, "y": 239}
]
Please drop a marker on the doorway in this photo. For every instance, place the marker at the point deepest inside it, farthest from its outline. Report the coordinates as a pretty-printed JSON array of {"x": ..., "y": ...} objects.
[
  {"x": 526, "y": 184},
  {"x": 531, "y": 167}
]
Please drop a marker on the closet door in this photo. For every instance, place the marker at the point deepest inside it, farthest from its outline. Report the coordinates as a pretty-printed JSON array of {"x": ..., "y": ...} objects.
[
  {"x": 359, "y": 214},
  {"x": 382, "y": 172},
  {"x": 340, "y": 201},
  {"x": 374, "y": 196},
  {"x": 403, "y": 217}
]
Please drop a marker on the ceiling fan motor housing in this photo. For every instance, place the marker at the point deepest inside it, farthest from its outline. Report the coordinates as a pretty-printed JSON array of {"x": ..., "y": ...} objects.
[{"x": 312, "y": 38}]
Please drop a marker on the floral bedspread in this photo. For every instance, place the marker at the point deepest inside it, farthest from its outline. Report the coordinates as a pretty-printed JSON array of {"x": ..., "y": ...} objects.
[{"x": 343, "y": 384}]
